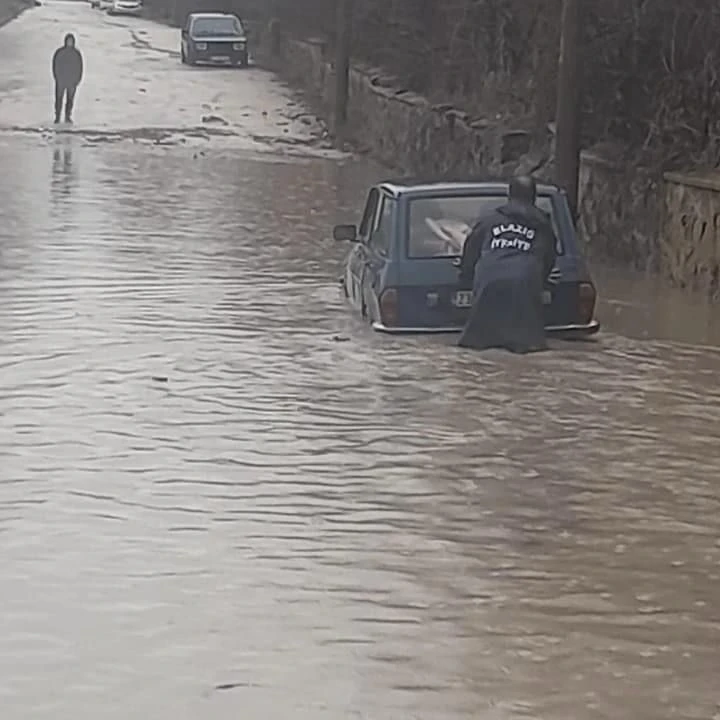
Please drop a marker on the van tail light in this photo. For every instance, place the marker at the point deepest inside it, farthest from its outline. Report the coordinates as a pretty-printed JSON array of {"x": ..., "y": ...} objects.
[
  {"x": 586, "y": 302},
  {"x": 389, "y": 307}
]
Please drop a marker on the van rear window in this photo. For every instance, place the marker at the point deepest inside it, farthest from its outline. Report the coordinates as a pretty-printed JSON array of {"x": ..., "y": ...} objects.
[
  {"x": 228, "y": 26},
  {"x": 438, "y": 226}
]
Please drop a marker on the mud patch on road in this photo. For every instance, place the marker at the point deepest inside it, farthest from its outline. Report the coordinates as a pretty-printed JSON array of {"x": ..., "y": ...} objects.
[
  {"x": 143, "y": 134},
  {"x": 290, "y": 141},
  {"x": 197, "y": 136}
]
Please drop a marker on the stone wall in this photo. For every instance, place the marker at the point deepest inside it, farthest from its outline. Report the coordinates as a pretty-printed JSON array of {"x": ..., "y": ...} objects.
[
  {"x": 691, "y": 235},
  {"x": 625, "y": 215},
  {"x": 400, "y": 127}
]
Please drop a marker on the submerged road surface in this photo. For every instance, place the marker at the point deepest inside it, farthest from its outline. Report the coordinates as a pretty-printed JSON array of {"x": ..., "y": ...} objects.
[{"x": 221, "y": 497}]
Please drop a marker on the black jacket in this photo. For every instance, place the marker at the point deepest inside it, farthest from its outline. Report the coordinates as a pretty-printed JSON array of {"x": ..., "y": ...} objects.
[
  {"x": 511, "y": 230},
  {"x": 67, "y": 66}
]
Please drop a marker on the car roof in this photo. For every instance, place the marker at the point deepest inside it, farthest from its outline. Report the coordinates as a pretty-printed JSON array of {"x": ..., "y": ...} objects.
[
  {"x": 212, "y": 15},
  {"x": 419, "y": 186}
]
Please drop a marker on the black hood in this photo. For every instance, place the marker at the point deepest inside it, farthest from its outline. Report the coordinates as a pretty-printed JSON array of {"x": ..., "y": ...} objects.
[{"x": 69, "y": 36}]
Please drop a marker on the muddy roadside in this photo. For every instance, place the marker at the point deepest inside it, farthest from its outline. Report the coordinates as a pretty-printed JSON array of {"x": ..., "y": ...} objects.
[{"x": 10, "y": 9}]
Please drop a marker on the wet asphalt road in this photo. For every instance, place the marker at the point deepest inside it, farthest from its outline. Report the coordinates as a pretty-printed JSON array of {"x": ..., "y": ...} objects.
[
  {"x": 136, "y": 88},
  {"x": 210, "y": 507}
]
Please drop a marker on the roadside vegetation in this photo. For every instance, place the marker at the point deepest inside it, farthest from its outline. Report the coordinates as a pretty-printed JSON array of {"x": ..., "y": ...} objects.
[{"x": 651, "y": 66}]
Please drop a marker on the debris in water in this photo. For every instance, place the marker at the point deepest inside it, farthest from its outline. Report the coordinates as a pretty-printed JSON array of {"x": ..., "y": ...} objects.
[
  {"x": 231, "y": 686},
  {"x": 159, "y": 378},
  {"x": 214, "y": 119}
]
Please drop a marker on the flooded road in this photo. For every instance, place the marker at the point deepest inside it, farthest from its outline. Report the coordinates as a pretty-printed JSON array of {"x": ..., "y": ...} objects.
[{"x": 222, "y": 497}]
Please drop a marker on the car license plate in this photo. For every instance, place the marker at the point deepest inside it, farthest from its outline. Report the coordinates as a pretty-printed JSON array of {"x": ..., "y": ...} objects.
[
  {"x": 462, "y": 299},
  {"x": 219, "y": 58}
]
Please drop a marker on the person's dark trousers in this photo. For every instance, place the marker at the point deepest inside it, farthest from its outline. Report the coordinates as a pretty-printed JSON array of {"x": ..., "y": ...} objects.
[{"x": 68, "y": 95}]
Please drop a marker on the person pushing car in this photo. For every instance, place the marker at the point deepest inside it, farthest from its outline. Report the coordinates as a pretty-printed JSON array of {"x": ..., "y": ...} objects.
[
  {"x": 507, "y": 260},
  {"x": 67, "y": 66}
]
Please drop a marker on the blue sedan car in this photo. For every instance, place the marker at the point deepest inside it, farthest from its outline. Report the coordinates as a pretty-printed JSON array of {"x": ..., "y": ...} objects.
[{"x": 402, "y": 271}]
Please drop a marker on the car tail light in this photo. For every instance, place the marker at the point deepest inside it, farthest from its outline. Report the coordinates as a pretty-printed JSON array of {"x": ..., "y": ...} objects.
[
  {"x": 389, "y": 307},
  {"x": 586, "y": 302}
]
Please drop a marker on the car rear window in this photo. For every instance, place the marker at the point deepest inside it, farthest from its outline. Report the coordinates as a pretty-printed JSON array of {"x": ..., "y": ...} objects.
[
  {"x": 439, "y": 225},
  {"x": 217, "y": 27}
]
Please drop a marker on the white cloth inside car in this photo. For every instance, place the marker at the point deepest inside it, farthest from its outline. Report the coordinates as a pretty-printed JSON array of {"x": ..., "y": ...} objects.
[{"x": 451, "y": 235}]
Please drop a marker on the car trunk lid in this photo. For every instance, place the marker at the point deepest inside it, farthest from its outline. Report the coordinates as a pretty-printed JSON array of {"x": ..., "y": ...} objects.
[{"x": 428, "y": 294}]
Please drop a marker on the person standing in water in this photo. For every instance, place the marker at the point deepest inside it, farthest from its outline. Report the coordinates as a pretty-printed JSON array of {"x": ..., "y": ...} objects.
[{"x": 67, "y": 68}]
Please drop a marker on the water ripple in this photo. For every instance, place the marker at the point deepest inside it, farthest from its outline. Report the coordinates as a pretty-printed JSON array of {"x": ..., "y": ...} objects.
[{"x": 203, "y": 492}]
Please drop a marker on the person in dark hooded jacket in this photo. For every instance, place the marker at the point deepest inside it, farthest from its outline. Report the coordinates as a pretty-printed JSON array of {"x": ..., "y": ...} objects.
[
  {"x": 507, "y": 259},
  {"x": 67, "y": 65}
]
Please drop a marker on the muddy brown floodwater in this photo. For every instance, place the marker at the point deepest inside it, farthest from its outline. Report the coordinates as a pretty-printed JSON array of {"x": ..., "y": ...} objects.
[{"x": 212, "y": 508}]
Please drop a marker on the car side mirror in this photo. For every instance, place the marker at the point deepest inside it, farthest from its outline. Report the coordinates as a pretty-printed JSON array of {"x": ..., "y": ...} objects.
[{"x": 345, "y": 233}]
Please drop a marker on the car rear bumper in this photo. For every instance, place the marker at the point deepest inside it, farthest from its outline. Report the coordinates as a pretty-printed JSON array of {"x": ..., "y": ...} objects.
[
  {"x": 125, "y": 10},
  {"x": 573, "y": 331},
  {"x": 565, "y": 331},
  {"x": 220, "y": 57}
]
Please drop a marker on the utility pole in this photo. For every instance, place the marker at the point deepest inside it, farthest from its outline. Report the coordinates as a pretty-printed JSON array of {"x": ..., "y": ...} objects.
[
  {"x": 569, "y": 104},
  {"x": 342, "y": 62}
]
